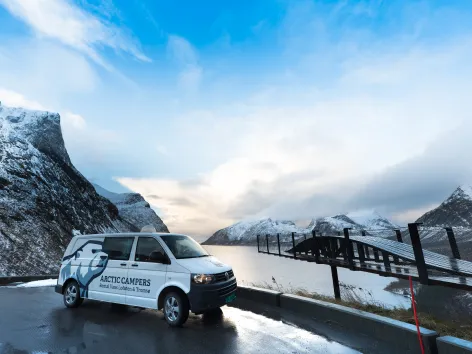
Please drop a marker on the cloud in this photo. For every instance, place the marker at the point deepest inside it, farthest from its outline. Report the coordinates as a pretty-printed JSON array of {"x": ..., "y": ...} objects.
[
  {"x": 186, "y": 58},
  {"x": 44, "y": 69},
  {"x": 74, "y": 120},
  {"x": 15, "y": 99},
  {"x": 425, "y": 180},
  {"x": 161, "y": 149},
  {"x": 67, "y": 23},
  {"x": 304, "y": 149}
]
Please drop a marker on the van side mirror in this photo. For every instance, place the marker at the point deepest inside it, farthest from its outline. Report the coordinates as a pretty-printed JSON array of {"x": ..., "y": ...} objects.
[{"x": 159, "y": 257}]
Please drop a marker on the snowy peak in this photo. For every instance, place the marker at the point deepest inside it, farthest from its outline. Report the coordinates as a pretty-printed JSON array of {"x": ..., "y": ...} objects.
[
  {"x": 133, "y": 208},
  {"x": 364, "y": 220},
  {"x": 371, "y": 220},
  {"x": 462, "y": 192},
  {"x": 337, "y": 222},
  {"x": 245, "y": 232},
  {"x": 455, "y": 211},
  {"x": 40, "y": 129}
]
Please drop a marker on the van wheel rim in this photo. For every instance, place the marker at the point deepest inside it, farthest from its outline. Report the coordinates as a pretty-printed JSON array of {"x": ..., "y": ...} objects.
[
  {"x": 71, "y": 294},
  {"x": 172, "y": 308}
]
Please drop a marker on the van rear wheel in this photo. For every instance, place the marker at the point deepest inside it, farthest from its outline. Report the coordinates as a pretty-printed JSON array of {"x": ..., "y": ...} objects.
[
  {"x": 71, "y": 295},
  {"x": 176, "y": 309}
]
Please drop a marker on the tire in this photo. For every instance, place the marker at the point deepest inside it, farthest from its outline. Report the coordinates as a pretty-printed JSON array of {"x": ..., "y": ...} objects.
[
  {"x": 71, "y": 295},
  {"x": 176, "y": 309}
]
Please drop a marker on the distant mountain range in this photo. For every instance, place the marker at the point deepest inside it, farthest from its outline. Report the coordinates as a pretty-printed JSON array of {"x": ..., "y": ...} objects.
[
  {"x": 455, "y": 211},
  {"x": 245, "y": 232},
  {"x": 44, "y": 199}
]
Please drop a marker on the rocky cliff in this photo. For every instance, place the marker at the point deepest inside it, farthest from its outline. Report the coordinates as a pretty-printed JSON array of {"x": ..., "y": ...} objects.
[
  {"x": 133, "y": 208},
  {"x": 43, "y": 198}
]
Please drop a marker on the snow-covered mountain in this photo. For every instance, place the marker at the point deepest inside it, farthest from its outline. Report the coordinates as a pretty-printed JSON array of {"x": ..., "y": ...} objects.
[
  {"x": 364, "y": 220},
  {"x": 245, "y": 232},
  {"x": 455, "y": 211},
  {"x": 133, "y": 208},
  {"x": 43, "y": 198},
  {"x": 371, "y": 220}
]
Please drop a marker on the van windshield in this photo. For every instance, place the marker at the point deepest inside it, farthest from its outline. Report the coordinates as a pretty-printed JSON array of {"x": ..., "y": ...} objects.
[{"x": 184, "y": 247}]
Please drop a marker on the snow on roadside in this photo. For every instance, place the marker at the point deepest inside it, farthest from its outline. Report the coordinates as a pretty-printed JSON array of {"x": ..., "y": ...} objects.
[{"x": 38, "y": 283}]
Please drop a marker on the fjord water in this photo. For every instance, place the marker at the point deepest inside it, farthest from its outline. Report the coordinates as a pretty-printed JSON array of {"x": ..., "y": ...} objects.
[{"x": 252, "y": 268}]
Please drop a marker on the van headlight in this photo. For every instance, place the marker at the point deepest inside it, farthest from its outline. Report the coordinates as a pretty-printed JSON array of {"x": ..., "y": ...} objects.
[{"x": 203, "y": 278}]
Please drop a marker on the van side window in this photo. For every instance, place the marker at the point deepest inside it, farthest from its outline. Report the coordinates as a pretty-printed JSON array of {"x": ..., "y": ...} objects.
[
  {"x": 118, "y": 248},
  {"x": 146, "y": 247}
]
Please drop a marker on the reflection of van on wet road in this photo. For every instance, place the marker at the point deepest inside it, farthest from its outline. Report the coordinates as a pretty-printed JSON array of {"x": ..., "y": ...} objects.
[{"x": 148, "y": 269}]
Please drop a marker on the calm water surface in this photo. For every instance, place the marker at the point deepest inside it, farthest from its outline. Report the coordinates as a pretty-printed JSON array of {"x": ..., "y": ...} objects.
[{"x": 252, "y": 268}]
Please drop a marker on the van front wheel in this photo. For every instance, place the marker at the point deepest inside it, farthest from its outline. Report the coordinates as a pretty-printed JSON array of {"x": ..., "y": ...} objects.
[
  {"x": 176, "y": 309},
  {"x": 72, "y": 294}
]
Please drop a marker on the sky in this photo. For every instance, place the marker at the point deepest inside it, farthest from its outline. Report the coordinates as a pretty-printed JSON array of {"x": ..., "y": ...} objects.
[{"x": 221, "y": 111}]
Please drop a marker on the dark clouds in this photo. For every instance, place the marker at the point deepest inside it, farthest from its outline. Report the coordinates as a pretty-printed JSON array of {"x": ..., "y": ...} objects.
[{"x": 423, "y": 180}]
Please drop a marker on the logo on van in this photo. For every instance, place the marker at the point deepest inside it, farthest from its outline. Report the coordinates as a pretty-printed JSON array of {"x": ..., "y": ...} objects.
[
  {"x": 227, "y": 275},
  {"x": 86, "y": 271}
]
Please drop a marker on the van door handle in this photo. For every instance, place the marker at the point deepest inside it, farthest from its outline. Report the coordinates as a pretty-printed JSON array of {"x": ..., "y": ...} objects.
[
  {"x": 123, "y": 264},
  {"x": 134, "y": 265}
]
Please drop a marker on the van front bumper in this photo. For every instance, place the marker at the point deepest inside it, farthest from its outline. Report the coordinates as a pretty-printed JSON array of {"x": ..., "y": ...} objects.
[{"x": 204, "y": 297}]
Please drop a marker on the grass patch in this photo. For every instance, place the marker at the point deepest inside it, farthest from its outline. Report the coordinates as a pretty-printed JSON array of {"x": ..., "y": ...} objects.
[{"x": 362, "y": 299}]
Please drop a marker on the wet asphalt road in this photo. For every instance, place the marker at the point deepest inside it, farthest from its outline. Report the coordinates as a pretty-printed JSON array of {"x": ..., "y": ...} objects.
[{"x": 34, "y": 320}]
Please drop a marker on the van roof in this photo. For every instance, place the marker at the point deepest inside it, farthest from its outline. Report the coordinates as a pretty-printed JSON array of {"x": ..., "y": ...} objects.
[{"x": 128, "y": 234}]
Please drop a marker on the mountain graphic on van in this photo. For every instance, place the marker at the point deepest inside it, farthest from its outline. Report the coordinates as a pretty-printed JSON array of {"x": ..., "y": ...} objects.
[{"x": 92, "y": 262}]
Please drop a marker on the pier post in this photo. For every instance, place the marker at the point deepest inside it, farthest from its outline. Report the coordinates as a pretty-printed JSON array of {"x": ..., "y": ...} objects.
[
  {"x": 334, "y": 275},
  {"x": 278, "y": 242},
  {"x": 418, "y": 251},
  {"x": 316, "y": 248},
  {"x": 293, "y": 246},
  {"x": 366, "y": 248},
  {"x": 453, "y": 243},
  {"x": 349, "y": 249},
  {"x": 399, "y": 235}
]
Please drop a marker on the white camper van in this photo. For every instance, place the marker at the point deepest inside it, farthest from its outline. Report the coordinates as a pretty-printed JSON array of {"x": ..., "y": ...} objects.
[{"x": 147, "y": 269}]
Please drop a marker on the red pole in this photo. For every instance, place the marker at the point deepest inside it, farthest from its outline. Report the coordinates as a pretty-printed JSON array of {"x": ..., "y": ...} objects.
[{"x": 413, "y": 305}]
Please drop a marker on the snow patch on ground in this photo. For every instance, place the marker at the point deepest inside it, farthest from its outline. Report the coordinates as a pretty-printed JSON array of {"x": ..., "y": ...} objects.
[{"x": 38, "y": 283}]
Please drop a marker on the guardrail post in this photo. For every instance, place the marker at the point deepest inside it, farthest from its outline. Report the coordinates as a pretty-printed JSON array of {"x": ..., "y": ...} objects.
[
  {"x": 360, "y": 252},
  {"x": 453, "y": 243},
  {"x": 349, "y": 249},
  {"x": 258, "y": 250},
  {"x": 278, "y": 242},
  {"x": 399, "y": 236},
  {"x": 366, "y": 248},
  {"x": 334, "y": 276},
  {"x": 386, "y": 262},
  {"x": 267, "y": 242},
  {"x": 418, "y": 250},
  {"x": 293, "y": 244}
]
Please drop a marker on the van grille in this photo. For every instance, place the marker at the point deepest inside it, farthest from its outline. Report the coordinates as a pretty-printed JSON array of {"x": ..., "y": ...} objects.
[
  {"x": 227, "y": 289},
  {"x": 222, "y": 276}
]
